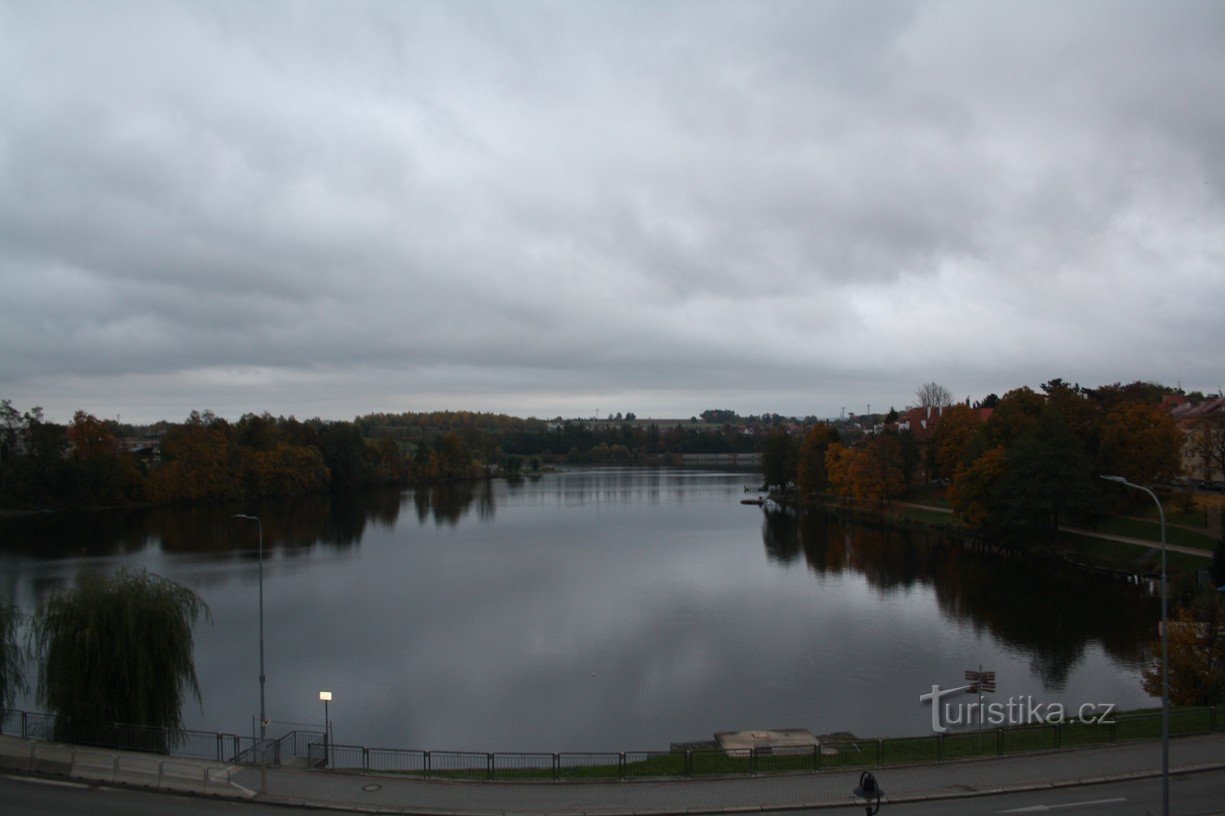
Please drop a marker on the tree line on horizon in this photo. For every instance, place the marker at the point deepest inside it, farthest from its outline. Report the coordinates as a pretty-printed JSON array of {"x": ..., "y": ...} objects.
[{"x": 90, "y": 462}]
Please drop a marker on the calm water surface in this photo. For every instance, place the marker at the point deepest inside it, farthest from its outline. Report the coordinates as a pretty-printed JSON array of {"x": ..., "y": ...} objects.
[{"x": 598, "y": 609}]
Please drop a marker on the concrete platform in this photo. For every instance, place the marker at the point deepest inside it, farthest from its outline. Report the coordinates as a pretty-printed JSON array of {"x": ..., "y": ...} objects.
[{"x": 784, "y": 741}]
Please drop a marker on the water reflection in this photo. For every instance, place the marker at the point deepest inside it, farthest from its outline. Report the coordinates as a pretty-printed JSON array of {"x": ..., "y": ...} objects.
[
  {"x": 1032, "y": 602},
  {"x": 600, "y": 608}
]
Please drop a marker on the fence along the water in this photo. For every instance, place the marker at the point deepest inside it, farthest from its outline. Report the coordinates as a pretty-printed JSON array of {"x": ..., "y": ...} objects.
[{"x": 309, "y": 746}]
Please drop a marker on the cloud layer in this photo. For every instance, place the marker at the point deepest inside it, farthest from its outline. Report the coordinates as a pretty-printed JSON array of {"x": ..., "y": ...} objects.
[{"x": 557, "y": 208}]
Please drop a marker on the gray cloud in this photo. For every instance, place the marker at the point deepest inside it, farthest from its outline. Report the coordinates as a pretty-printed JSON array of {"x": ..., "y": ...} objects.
[{"x": 552, "y": 207}]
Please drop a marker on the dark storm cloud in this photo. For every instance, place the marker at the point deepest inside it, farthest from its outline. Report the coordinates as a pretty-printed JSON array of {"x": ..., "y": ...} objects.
[{"x": 550, "y": 207}]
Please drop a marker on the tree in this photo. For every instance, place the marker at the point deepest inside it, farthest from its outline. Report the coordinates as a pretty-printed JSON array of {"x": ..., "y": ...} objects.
[
  {"x": 1046, "y": 476},
  {"x": 840, "y": 466},
  {"x": 811, "y": 477},
  {"x": 1015, "y": 413},
  {"x": 1209, "y": 440},
  {"x": 1196, "y": 654},
  {"x": 953, "y": 440},
  {"x": 11, "y": 677},
  {"x": 933, "y": 395},
  {"x": 118, "y": 649},
  {"x": 878, "y": 475},
  {"x": 975, "y": 493},
  {"x": 1141, "y": 443},
  {"x": 778, "y": 459}
]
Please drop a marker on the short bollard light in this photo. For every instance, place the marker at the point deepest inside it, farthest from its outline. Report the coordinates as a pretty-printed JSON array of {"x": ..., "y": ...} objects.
[{"x": 870, "y": 791}]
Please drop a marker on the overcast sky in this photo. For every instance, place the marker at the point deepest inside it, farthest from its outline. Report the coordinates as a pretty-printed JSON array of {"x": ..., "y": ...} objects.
[{"x": 327, "y": 209}]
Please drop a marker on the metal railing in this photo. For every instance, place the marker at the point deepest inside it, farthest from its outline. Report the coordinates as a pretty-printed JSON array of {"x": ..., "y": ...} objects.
[
  {"x": 309, "y": 749},
  {"x": 185, "y": 743}
]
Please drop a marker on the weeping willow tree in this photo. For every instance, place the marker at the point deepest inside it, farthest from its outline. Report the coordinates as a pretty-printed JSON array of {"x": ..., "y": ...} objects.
[
  {"x": 11, "y": 678},
  {"x": 117, "y": 649}
]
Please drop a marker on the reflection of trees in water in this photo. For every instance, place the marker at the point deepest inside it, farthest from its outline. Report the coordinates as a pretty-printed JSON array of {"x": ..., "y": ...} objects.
[
  {"x": 70, "y": 535},
  {"x": 448, "y": 503},
  {"x": 1038, "y": 603},
  {"x": 289, "y": 524}
]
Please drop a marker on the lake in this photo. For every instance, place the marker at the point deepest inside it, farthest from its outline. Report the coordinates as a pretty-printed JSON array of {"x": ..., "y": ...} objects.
[{"x": 596, "y": 609}]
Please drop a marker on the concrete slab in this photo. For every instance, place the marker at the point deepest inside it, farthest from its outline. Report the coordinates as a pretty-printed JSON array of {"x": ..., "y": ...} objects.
[
  {"x": 96, "y": 766},
  {"x": 52, "y": 758},
  {"x": 139, "y": 771},
  {"x": 16, "y": 754},
  {"x": 782, "y": 741},
  {"x": 183, "y": 777}
]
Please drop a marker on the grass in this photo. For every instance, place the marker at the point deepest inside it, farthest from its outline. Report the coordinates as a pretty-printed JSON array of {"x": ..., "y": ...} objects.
[
  {"x": 849, "y": 753},
  {"x": 1151, "y": 531},
  {"x": 1122, "y": 556}
]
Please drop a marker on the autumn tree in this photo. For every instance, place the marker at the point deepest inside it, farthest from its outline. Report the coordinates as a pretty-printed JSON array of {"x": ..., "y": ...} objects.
[
  {"x": 840, "y": 469},
  {"x": 811, "y": 476},
  {"x": 1141, "y": 443},
  {"x": 976, "y": 491},
  {"x": 118, "y": 649},
  {"x": 196, "y": 463},
  {"x": 953, "y": 440},
  {"x": 878, "y": 470},
  {"x": 1196, "y": 654}
]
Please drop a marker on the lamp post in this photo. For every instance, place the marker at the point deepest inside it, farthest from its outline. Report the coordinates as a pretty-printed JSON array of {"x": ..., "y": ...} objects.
[
  {"x": 326, "y": 697},
  {"x": 263, "y": 720},
  {"x": 1165, "y": 652}
]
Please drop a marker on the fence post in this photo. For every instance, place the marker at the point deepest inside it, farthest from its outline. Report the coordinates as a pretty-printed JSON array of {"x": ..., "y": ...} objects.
[
  {"x": 879, "y": 744},
  {"x": 365, "y": 758},
  {"x": 940, "y": 748},
  {"x": 489, "y": 765},
  {"x": 1212, "y": 718},
  {"x": 425, "y": 766},
  {"x": 1057, "y": 746},
  {"x": 999, "y": 741},
  {"x": 556, "y": 766},
  {"x": 621, "y": 769},
  {"x": 24, "y": 734},
  {"x": 753, "y": 760},
  {"x": 816, "y": 757},
  {"x": 688, "y": 762}
]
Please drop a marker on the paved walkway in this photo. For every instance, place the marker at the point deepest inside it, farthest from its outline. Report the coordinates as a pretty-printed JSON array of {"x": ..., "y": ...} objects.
[
  {"x": 387, "y": 793},
  {"x": 393, "y": 794}
]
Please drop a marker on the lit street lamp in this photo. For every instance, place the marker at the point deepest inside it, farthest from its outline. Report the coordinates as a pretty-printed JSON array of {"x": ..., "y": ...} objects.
[
  {"x": 326, "y": 697},
  {"x": 263, "y": 719},
  {"x": 1165, "y": 653}
]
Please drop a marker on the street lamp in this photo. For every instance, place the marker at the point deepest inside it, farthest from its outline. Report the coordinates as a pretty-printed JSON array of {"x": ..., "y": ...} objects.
[
  {"x": 326, "y": 697},
  {"x": 263, "y": 719},
  {"x": 1165, "y": 653}
]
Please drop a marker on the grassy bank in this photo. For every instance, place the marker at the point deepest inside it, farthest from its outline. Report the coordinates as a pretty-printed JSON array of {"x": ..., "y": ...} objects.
[{"x": 831, "y": 754}]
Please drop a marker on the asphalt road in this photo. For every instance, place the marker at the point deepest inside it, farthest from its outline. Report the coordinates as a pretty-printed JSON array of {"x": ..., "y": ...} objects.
[{"x": 1198, "y": 794}]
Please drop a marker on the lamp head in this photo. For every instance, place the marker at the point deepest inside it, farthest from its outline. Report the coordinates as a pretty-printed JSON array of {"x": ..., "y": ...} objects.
[
  {"x": 1115, "y": 479},
  {"x": 325, "y": 695}
]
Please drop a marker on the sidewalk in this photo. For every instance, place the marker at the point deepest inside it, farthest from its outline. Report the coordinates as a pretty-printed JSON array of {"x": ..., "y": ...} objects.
[
  {"x": 396, "y": 794},
  {"x": 388, "y": 793}
]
